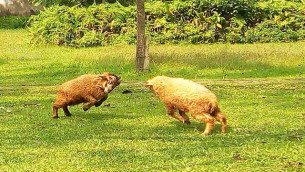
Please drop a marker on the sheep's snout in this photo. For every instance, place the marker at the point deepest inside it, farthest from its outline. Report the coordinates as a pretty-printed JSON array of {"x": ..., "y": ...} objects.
[
  {"x": 148, "y": 84},
  {"x": 106, "y": 90},
  {"x": 110, "y": 85}
]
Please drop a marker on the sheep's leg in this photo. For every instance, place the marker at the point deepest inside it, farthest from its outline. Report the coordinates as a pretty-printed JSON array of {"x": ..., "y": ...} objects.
[
  {"x": 223, "y": 120},
  {"x": 171, "y": 112},
  {"x": 58, "y": 104},
  {"x": 66, "y": 111},
  {"x": 55, "y": 112},
  {"x": 185, "y": 117},
  {"x": 92, "y": 101},
  {"x": 208, "y": 120},
  {"x": 98, "y": 103}
]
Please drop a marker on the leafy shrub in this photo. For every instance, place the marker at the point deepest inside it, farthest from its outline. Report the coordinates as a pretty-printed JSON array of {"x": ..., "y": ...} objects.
[
  {"x": 13, "y": 22},
  {"x": 49, "y": 3},
  {"x": 93, "y": 26},
  {"x": 177, "y": 21},
  {"x": 283, "y": 28}
]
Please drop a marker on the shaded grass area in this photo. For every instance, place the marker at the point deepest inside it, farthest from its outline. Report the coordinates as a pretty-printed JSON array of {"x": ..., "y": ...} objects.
[
  {"x": 133, "y": 132},
  {"x": 24, "y": 64}
]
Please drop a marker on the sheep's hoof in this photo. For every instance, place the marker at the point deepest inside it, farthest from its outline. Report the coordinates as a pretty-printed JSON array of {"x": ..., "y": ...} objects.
[
  {"x": 204, "y": 134},
  {"x": 69, "y": 115},
  {"x": 187, "y": 122},
  {"x": 85, "y": 108},
  {"x": 223, "y": 130},
  {"x": 98, "y": 104},
  {"x": 55, "y": 117}
]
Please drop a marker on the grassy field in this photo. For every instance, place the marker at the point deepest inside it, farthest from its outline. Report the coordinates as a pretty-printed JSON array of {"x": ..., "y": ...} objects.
[
  {"x": 260, "y": 87},
  {"x": 26, "y": 64}
]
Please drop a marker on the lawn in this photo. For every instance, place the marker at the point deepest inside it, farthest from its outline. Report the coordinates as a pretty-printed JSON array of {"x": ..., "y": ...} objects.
[
  {"x": 25, "y": 64},
  {"x": 260, "y": 87}
]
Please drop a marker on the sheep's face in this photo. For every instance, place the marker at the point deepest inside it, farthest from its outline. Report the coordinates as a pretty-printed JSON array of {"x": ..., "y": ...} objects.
[
  {"x": 110, "y": 81},
  {"x": 155, "y": 83},
  {"x": 149, "y": 84}
]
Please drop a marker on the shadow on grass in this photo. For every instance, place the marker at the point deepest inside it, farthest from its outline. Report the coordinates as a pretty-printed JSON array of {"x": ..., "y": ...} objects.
[
  {"x": 100, "y": 123},
  {"x": 197, "y": 126},
  {"x": 105, "y": 116},
  {"x": 172, "y": 144}
]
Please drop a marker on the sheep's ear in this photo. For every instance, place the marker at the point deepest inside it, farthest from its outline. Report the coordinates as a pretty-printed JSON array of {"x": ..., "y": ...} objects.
[
  {"x": 148, "y": 84},
  {"x": 103, "y": 77},
  {"x": 112, "y": 78}
]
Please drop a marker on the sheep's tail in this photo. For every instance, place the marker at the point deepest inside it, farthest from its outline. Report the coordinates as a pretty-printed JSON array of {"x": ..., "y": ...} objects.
[
  {"x": 214, "y": 110},
  {"x": 220, "y": 117},
  {"x": 211, "y": 107}
]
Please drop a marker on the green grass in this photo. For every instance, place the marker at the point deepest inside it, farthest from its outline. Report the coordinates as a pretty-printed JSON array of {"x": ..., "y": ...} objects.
[
  {"x": 24, "y": 64},
  {"x": 264, "y": 101}
]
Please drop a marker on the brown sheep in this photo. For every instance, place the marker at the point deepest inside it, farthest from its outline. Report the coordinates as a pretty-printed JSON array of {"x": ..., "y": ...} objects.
[
  {"x": 89, "y": 88},
  {"x": 187, "y": 96}
]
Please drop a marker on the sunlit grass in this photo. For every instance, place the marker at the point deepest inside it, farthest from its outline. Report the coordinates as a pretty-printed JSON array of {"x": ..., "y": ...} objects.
[
  {"x": 266, "y": 127},
  {"x": 264, "y": 101},
  {"x": 24, "y": 64}
]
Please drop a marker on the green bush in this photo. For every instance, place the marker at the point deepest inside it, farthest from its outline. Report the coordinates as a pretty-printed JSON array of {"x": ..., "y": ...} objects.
[
  {"x": 280, "y": 28},
  {"x": 13, "y": 22},
  {"x": 177, "y": 21},
  {"x": 93, "y": 26},
  {"x": 49, "y": 3}
]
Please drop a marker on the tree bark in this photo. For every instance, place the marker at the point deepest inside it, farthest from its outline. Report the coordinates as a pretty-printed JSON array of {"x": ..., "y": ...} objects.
[{"x": 142, "y": 60}]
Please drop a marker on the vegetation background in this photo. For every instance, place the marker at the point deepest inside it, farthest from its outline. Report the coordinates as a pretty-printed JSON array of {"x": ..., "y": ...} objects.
[{"x": 177, "y": 21}]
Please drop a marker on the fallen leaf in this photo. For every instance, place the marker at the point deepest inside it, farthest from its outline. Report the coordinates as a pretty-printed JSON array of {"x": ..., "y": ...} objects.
[
  {"x": 295, "y": 136},
  {"x": 154, "y": 104},
  {"x": 6, "y": 115},
  {"x": 159, "y": 138},
  {"x": 31, "y": 104},
  {"x": 127, "y": 92},
  {"x": 283, "y": 158},
  {"x": 237, "y": 157},
  {"x": 291, "y": 164}
]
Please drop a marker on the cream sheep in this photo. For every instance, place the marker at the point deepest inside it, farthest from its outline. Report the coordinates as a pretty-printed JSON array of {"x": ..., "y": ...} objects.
[
  {"x": 86, "y": 88},
  {"x": 187, "y": 96}
]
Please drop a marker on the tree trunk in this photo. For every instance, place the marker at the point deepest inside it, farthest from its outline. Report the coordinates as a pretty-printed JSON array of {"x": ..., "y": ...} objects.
[{"x": 142, "y": 60}]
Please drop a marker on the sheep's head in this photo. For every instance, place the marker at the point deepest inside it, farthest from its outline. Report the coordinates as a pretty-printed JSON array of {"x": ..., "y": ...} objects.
[
  {"x": 155, "y": 83},
  {"x": 149, "y": 84},
  {"x": 110, "y": 81}
]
